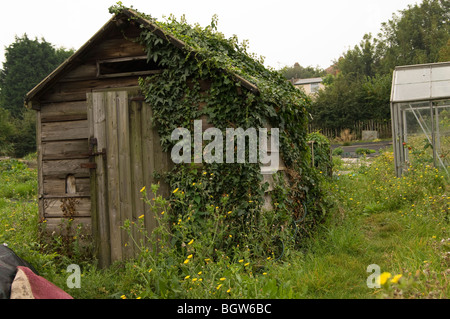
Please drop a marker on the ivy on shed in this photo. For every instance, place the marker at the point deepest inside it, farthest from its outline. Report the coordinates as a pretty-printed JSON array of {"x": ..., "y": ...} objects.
[{"x": 206, "y": 76}]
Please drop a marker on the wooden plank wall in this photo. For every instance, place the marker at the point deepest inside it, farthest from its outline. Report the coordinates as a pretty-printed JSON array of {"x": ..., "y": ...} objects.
[{"x": 63, "y": 131}]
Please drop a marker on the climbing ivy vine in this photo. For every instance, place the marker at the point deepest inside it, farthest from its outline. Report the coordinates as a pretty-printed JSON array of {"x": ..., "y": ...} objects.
[{"x": 199, "y": 80}]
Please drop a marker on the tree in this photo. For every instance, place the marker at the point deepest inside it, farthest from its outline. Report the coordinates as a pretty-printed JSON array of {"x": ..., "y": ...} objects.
[
  {"x": 418, "y": 35},
  {"x": 27, "y": 63},
  {"x": 6, "y": 132},
  {"x": 361, "y": 89},
  {"x": 300, "y": 72}
]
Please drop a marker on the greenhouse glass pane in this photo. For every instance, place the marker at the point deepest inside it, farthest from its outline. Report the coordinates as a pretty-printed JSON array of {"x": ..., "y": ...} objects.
[{"x": 442, "y": 117}]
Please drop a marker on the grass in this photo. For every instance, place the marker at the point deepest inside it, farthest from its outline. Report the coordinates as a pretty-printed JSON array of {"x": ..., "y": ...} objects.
[{"x": 399, "y": 224}]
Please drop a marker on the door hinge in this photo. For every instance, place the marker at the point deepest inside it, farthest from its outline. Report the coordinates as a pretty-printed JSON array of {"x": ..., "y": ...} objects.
[
  {"x": 89, "y": 165},
  {"x": 92, "y": 148}
]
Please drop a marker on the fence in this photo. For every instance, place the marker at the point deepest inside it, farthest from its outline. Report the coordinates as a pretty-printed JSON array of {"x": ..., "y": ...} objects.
[{"x": 383, "y": 128}]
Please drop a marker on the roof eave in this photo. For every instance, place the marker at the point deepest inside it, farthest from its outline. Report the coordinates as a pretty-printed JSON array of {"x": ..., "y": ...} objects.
[{"x": 32, "y": 94}]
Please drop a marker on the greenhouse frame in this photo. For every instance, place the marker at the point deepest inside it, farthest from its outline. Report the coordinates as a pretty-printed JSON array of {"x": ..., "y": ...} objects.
[{"x": 420, "y": 114}]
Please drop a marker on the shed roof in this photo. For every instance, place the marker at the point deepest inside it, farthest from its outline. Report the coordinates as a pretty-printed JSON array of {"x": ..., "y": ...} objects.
[{"x": 114, "y": 21}]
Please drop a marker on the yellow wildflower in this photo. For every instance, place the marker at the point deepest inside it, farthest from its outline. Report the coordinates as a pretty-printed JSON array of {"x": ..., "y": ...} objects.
[
  {"x": 222, "y": 279},
  {"x": 218, "y": 287},
  {"x": 176, "y": 190},
  {"x": 142, "y": 216},
  {"x": 187, "y": 277},
  {"x": 190, "y": 243},
  {"x": 246, "y": 264},
  {"x": 190, "y": 256},
  {"x": 142, "y": 189},
  {"x": 384, "y": 277},
  {"x": 186, "y": 261},
  {"x": 396, "y": 278}
]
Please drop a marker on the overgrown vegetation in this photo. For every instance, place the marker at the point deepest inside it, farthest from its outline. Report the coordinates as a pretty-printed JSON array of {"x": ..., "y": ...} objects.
[
  {"x": 212, "y": 240},
  {"x": 199, "y": 80},
  {"x": 399, "y": 224}
]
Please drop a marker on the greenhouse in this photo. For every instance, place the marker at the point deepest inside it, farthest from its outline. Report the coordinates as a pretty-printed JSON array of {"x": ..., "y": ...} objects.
[{"x": 420, "y": 112}]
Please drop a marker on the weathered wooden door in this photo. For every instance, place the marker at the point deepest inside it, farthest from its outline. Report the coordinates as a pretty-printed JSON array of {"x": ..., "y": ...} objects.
[{"x": 126, "y": 150}]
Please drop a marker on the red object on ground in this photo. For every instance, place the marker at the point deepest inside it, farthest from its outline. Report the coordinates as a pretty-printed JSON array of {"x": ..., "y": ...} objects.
[{"x": 40, "y": 287}]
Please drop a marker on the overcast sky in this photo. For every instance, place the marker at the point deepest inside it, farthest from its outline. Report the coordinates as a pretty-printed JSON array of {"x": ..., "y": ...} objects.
[{"x": 312, "y": 33}]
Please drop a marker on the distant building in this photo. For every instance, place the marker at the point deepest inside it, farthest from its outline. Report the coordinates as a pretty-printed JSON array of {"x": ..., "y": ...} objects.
[{"x": 310, "y": 86}]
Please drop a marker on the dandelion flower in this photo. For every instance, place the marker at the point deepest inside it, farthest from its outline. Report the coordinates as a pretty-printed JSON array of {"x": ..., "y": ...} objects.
[
  {"x": 194, "y": 279},
  {"x": 190, "y": 256},
  {"x": 246, "y": 264},
  {"x": 396, "y": 278},
  {"x": 229, "y": 290},
  {"x": 186, "y": 261},
  {"x": 123, "y": 297},
  {"x": 222, "y": 279},
  {"x": 241, "y": 260},
  {"x": 384, "y": 277},
  {"x": 187, "y": 277},
  {"x": 150, "y": 270},
  {"x": 142, "y": 216},
  {"x": 218, "y": 287},
  {"x": 199, "y": 273},
  {"x": 176, "y": 190},
  {"x": 142, "y": 189},
  {"x": 190, "y": 243}
]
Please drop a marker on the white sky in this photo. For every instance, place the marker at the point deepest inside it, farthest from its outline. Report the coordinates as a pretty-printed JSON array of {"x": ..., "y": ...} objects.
[{"x": 312, "y": 33}]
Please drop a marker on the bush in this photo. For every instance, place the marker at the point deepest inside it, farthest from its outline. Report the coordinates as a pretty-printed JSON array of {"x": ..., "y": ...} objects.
[
  {"x": 338, "y": 151},
  {"x": 364, "y": 151}
]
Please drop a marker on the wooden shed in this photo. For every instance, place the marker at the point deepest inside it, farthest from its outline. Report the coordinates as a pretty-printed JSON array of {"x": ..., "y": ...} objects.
[{"x": 95, "y": 141}]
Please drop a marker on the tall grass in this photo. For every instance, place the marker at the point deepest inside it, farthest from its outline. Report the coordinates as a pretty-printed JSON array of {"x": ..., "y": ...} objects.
[{"x": 399, "y": 224}]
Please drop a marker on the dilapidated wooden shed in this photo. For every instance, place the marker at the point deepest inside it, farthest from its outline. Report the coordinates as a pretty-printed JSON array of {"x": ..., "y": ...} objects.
[
  {"x": 96, "y": 143},
  {"x": 104, "y": 123}
]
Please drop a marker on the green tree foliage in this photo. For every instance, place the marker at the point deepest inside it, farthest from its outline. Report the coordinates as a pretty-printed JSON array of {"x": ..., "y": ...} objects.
[
  {"x": 27, "y": 62},
  {"x": 415, "y": 36},
  {"x": 361, "y": 89},
  {"x": 6, "y": 131},
  {"x": 300, "y": 72}
]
